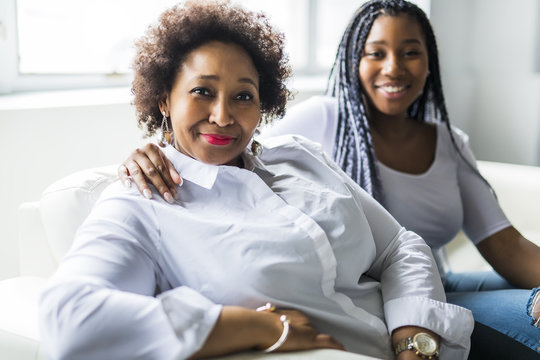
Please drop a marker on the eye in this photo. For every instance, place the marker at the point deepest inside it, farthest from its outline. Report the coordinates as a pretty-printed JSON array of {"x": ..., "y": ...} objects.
[
  {"x": 244, "y": 96},
  {"x": 411, "y": 53},
  {"x": 201, "y": 91},
  {"x": 373, "y": 54}
]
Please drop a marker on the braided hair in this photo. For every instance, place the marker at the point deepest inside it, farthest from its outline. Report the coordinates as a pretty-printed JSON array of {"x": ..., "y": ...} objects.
[{"x": 353, "y": 150}]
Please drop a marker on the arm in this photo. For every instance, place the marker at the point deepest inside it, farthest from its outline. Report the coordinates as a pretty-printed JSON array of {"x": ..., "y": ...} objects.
[
  {"x": 513, "y": 256},
  {"x": 101, "y": 303},
  {"x": 412, "y": 292},
  {"x": 505, "y": 249}
]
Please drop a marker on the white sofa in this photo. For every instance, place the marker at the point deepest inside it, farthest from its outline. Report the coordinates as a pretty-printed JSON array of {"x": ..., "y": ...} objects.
[{"x": 47, "y": 227}]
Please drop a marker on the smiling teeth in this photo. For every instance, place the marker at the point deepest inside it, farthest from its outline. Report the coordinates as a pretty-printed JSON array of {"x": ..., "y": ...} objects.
[{"x": 393, "y": 89}]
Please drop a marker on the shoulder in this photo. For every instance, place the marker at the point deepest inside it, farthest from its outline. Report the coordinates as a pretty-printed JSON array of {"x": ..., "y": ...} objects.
[
  {"x": 316, "y": 103},
  {"x": 461, "y": 138},
  {"x": 121, "y": 203},
  {"x": 291, "y": 142},
  {"x": 292, "y": 148}
]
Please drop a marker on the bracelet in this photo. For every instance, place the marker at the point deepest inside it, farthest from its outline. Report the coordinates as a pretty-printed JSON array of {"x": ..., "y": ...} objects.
[
  {"x": 267, "y": 307},
  {"x": 285, "y": 321}
]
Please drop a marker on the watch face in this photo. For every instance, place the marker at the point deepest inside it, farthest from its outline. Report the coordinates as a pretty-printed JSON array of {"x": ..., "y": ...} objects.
[{"x": 425, "y": 344}]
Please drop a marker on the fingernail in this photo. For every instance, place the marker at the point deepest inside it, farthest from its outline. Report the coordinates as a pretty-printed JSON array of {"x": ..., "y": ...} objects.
[
  {"x": 147, "y": 193},
  {"x": 168, "y": 198},
  {"x": 127, "y": 183}
]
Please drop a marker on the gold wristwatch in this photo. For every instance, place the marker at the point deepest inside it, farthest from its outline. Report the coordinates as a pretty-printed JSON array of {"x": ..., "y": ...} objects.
[{"x": 423, "y": 344}]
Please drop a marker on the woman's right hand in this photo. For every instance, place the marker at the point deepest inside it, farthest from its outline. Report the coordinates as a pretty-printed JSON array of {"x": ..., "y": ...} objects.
[{"x": 150, "y": 163}]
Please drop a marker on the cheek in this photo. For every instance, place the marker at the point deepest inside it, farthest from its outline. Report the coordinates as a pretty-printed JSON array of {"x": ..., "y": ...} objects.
[
  {"x": 185, "y": 113},
  {"x": 364, "y": 74},
  {"x": 251, "y": 125},
  {"x": 421, "y": 69}
]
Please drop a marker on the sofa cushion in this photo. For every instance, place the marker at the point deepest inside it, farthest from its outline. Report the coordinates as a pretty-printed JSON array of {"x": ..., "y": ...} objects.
[{"x": 66, "y": 203}]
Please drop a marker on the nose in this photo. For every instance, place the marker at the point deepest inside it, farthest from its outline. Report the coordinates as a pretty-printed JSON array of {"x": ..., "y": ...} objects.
[
  {"x": 220, "y": 113},
  {"x": 392, "y": 66}
]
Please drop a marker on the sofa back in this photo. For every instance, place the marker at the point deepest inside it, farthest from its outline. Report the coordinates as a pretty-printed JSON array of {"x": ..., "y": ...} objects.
[{"x": 47, "y": 227}]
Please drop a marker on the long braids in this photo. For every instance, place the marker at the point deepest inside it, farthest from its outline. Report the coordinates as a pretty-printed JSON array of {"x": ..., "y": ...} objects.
[{"x": 353, "y": 150}]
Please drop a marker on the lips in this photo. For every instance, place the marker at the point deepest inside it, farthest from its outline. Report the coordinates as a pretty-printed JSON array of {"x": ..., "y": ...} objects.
[
  {"x": 217, "y": 139},
  {"x": 392, "y": 90}
]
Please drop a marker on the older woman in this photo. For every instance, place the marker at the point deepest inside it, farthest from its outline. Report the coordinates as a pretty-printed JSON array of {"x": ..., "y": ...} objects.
[{"x": 277, "y": 223}]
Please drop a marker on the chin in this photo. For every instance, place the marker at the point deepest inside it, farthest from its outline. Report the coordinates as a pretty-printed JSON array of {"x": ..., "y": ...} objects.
[{"x": 215, "y": 160}]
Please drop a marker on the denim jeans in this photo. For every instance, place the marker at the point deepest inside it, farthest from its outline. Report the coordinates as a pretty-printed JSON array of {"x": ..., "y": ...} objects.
[{"x": 496, "y": 304}]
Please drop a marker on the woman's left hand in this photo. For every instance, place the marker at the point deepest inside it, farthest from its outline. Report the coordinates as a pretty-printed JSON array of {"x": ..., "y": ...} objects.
[{"x": 303, "y": 335}]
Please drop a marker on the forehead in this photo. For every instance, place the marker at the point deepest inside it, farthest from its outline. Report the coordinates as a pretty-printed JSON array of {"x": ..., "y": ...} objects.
[
  {"x": 398, "y": 28},
  {"x": 219, "y": 58}
]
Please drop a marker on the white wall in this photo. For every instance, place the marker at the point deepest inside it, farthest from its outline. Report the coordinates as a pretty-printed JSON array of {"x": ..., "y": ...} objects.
[
  {"x": 490, "y": 60},
  {"x": 41, "y": 145}
]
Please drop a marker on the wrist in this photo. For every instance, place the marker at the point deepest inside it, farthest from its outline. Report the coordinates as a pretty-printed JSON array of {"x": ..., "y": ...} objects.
[
  {"x": 412, "y": 342},
  {"x": 269, "y": 329}
]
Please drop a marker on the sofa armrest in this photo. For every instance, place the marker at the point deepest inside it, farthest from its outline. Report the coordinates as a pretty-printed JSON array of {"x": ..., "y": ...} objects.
[
  {"x": 19, "y": 333},
  {"x": 35, "y": 256}
]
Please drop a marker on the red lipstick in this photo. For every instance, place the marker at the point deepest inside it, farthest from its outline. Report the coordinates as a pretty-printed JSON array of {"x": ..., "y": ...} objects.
[{"x": 216, "y": 139}]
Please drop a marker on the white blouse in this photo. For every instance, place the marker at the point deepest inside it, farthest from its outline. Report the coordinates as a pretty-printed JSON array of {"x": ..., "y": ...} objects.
[
  {"x": 147, "y": 279},
  {"x": 448, "y": 197}
]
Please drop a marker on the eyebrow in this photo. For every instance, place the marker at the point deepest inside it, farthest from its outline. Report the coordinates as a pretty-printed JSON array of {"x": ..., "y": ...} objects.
[
  {"x": 215, "y": 77},
  {"x": 382, "y": 42}
]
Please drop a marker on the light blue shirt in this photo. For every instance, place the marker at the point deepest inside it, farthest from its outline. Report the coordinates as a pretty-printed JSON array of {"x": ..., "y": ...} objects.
[{"x": 147, "y": 279}]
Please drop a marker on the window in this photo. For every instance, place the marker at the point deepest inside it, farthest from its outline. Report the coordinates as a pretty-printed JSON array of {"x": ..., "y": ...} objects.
[
  {"x": 81, "y": 37},
  {"x": 59, "y": 44}
]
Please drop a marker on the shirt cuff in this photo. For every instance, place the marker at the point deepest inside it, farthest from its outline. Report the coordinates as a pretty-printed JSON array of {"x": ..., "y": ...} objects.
[
  {"x": 454, "y": 324},
  {"x": 191, "y": 315}
]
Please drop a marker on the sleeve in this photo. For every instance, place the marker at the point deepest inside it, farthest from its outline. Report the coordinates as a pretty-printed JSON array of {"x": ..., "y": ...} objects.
[
  {"x": 100, "y": 303},
  {"x": 315, "y": 119},
  {"x": 411, "y": 287},
  {"x": 482, "y": 214}
]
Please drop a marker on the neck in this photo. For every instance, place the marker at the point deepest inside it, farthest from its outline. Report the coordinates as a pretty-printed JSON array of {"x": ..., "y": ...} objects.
[{"x": 390, "y": 125}]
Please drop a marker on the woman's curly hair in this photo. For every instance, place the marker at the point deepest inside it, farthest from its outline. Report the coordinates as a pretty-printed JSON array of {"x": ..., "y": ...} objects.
[{"x": 183, "y": 28}]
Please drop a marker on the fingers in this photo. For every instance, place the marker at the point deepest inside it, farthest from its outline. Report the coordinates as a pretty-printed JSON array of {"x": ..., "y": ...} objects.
[
  {"x": 173, "y": 174},
  {"x": 162, "y": 174},
  {"x": 328, "y": 342},
  {"x": 150, "y": 161},
  {"x": 124, "y": 176},
  {"x": 155, "y": 166},
  {"x": 137, "y": 177}
]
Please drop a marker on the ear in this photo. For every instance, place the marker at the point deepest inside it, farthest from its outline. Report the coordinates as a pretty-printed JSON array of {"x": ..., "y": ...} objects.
[{"x": 164, "y": 105}]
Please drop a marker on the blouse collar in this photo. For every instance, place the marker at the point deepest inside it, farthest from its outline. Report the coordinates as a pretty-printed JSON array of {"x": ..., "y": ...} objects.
[{"x": 205, "y": 175}]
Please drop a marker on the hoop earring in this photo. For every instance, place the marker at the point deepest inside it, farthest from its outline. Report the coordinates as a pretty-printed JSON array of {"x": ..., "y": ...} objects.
[{"x": 166, "y": 134}]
